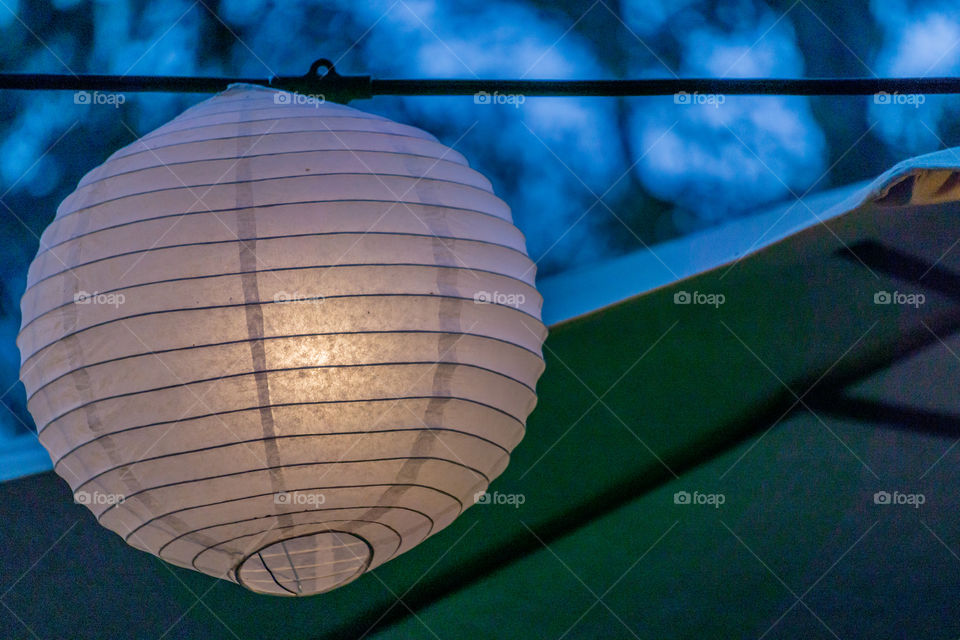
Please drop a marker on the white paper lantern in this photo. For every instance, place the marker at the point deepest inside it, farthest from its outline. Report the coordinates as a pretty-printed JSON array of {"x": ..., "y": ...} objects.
[{"x": 281, "y": 342}]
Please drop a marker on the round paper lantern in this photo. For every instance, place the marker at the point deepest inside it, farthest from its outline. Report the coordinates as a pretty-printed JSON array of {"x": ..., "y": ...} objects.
[{"x": 280, "y": 341}]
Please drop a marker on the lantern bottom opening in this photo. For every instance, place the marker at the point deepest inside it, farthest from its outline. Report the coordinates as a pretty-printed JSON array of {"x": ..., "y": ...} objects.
[{"x": 306, "y": 564}]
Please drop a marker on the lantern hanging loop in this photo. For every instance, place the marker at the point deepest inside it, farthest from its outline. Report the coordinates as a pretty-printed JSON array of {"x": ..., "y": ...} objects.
[
  {"x": 322, "y": 62},
  {"x": 329, "y": 84}
]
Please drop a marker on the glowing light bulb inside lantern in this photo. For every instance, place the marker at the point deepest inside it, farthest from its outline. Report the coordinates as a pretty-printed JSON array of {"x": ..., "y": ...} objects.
[{"x": 314, "y": 338}]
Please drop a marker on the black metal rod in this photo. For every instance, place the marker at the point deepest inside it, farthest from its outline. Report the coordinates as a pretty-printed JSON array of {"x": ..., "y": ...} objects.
[
  {"x": 670, "y": 86},
  {"x": 336, "y": 86},
  {"x": 120, "y": 84}
]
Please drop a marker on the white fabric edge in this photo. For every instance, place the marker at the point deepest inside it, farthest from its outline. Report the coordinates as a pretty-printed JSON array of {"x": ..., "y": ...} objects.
[{"x": 579, "y": 292}]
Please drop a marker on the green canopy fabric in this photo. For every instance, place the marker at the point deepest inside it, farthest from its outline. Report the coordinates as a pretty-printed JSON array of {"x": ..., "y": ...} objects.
[{"x": 779, "y": 362}]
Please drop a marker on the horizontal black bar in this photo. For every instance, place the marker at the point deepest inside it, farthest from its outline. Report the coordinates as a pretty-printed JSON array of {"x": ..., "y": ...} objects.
[
  {"x": 121, "y": 84},
  {"x": 355, "y": 87},
  {"x": 333, "y": 86},
  {"x": 670, "y": 86}
]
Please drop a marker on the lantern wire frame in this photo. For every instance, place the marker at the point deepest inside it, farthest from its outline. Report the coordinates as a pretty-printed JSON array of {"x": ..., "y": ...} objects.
[{"x": 418, "y": 372}]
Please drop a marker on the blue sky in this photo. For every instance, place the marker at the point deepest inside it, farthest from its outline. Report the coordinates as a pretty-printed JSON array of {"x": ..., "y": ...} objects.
[{"x": 587, "y": 178}]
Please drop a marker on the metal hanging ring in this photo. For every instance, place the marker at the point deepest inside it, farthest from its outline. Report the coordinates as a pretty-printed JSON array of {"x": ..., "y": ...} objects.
[{"x": 331, "y": 71}]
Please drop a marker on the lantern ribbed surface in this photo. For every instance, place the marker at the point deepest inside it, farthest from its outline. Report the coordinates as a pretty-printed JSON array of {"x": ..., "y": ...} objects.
[{"x": 281, "y": 342}]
